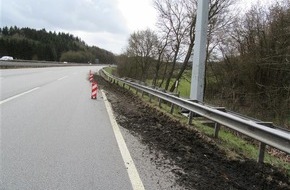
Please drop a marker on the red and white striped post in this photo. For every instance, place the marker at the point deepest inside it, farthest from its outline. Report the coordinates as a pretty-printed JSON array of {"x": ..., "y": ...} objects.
[
  {"x": 94, "y": 90},
  {"x": 91, "y": 78}
]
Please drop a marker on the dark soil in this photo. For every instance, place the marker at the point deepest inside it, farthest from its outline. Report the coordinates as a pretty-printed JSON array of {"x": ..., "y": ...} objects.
[{"x": 203, "y": 165}]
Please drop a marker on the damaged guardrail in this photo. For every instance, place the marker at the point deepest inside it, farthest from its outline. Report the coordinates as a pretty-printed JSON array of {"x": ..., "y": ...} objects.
[{"x": 260, "y": 131}]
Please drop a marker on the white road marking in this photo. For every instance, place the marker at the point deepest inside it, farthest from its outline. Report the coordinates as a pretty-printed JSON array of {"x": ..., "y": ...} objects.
[
  {"x": 62, "y": 78},
  {"x": 128, "y": 161},
  {"x": 18, "y": 95}
]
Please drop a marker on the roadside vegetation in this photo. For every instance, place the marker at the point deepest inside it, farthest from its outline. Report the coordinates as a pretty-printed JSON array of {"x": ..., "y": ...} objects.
[
  {"x": 247, "y": 66},
  {"x": 235, "y": 145},
  {"x": 31, "y": 44}
]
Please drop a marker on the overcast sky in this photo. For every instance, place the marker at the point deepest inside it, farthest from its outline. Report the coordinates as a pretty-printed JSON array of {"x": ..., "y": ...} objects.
[{"x": 103, "y": 23}]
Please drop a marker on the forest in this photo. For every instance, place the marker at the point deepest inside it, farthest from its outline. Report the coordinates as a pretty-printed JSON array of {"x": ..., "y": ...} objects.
[
  {"x": 248, "y": 55},
  {"x": 32, "y": 44}
]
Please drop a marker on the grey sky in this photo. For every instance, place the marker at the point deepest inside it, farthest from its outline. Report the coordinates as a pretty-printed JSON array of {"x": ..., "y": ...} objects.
[{"x": 103, "y": 23}]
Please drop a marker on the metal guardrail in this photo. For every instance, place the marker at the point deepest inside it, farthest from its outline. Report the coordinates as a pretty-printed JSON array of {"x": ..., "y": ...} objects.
[{"x": 274, "y": 137}]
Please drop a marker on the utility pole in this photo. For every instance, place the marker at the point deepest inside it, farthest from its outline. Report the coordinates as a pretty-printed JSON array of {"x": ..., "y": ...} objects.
[{"x": 199, "y": 51}]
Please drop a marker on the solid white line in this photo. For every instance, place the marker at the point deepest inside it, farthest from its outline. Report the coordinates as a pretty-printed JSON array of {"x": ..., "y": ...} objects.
[
  {"x": 128, "y": 161},
  {"x": 62, "y": 78},
  {"x": 18, "y": 95}
]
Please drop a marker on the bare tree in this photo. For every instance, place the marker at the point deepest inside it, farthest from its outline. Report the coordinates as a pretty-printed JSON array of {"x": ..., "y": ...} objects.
[
  {"x": 179, "y": 17},
  {"x": 171, "y": 23},
  {"x": 143, "y": 48},
  {"x": 161, "y": 48}
]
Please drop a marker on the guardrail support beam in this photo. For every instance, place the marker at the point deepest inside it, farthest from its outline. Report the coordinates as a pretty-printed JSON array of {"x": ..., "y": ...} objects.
[
  {"x": 261, "y": 155},
  {"x": 217, "y": 127},
  {"x": 190, "y": 116},
  {"x": 159, "y": 102},
  {"x": 172, "y": 108}
]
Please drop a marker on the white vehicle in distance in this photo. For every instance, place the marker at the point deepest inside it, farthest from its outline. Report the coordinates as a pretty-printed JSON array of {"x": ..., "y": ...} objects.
[{"x": 6, "y": 58}]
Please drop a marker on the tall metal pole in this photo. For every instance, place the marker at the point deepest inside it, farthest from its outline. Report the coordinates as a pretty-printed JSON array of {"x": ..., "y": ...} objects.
[{"x": 199, "y": 51}]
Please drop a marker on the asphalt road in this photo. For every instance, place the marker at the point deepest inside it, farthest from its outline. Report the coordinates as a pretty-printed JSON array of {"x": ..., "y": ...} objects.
[{"x": 53, "y": 135}]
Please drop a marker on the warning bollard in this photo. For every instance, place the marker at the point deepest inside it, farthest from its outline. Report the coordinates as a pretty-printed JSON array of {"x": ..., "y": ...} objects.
[
  {"x": 91, "y": 78},
  {"x": 94, "y": 90}
]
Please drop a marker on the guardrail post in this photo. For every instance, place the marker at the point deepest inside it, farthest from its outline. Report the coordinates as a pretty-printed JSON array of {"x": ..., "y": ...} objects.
[
  {"x": 262, "y": 147},
  {"x": 136, "y": 91},
  {"x": 160, "y": 102},
  {"x": 190, "y": 118},
  {"x": 172, "y": 108},
  {"x": 142, "y": 94},
  {"x": 217, "y": 127},
  {"x": 150, "y": 97},
  {"x": 123, "y": 85}
]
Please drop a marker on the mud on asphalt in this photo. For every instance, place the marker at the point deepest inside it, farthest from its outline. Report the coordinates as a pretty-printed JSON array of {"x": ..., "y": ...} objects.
[{"x": 201, "y": 164}]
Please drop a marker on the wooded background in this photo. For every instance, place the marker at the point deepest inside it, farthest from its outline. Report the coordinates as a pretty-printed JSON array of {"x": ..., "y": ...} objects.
[{"x": 31, "y": 44}]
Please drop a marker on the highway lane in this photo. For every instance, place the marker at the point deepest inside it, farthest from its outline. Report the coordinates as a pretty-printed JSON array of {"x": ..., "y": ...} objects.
[
  {"x": 53, "y": 136},
  {"x": 15, "y": 81}
]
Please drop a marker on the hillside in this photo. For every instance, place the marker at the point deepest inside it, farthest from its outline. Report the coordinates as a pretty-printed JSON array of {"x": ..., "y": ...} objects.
[{"x": 32, "y": 44}]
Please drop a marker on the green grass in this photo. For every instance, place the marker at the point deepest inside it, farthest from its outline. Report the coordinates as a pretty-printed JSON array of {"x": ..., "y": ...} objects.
[{"x": 110, "y": 70}]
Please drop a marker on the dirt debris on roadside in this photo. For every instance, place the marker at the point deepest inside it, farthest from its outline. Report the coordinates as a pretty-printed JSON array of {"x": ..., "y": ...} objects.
[{"x": 200, "y": 163}]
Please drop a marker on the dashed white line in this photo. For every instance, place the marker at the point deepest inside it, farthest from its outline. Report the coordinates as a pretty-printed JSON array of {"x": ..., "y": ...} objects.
[
  {"x": 135, "y": 179},
  {"x": 62, "y": 78},
  {"x": 18, "y": 95}
]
